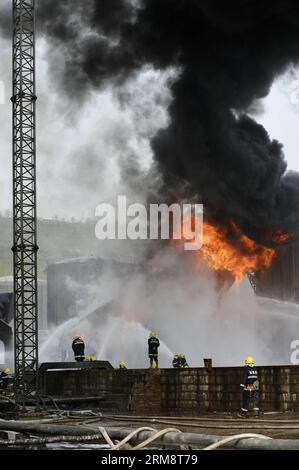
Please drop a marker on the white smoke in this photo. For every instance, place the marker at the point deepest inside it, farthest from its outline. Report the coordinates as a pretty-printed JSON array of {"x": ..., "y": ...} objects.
[{"x": 185, "y": 309}]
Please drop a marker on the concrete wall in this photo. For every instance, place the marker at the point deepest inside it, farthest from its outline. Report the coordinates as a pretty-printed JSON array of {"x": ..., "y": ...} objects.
[{"x": 170, "y": 391}]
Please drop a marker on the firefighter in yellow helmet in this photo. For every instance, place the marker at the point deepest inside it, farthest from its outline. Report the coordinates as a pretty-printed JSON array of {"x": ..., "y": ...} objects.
[
  {"x": 250, "y": 387},
  {"x": 183, "y": 362},
  {"x": 78, "y": 347},
  {"x": 153, "y": 346},
  {"x": 122, "y": 365},
  {"x": 179, "y": 361}
]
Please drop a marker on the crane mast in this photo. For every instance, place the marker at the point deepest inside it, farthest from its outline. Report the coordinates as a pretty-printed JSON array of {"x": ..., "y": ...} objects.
[{"x": 24, "y": 200}]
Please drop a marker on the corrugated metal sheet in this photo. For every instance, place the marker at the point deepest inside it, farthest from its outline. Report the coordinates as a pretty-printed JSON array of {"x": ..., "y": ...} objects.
[{"x": 281, "y": 280}]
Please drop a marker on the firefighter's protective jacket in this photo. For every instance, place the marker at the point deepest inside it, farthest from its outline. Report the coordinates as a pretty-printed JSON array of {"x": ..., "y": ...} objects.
[
  {"x": 78, "y": 347},
  {"x": 153, "y": 345},
  {"x": 250, "y": 379},
  {"x": 183, "y": 363},
  {"x": 176, "y": 362}
]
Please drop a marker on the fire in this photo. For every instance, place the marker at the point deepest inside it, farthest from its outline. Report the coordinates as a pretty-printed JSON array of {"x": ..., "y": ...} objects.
[
  {"x": 227, "y": 248},
  {"x": 240, "y": 258},
  {"x": 280, "y": 237}
]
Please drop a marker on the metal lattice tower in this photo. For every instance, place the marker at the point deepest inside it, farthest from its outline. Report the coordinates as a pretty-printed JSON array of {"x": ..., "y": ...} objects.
[{"x": 24, "y": 200}]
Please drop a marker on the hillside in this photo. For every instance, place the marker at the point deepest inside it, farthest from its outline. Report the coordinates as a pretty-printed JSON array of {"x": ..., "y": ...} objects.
[{"x": 56, "y": 239}]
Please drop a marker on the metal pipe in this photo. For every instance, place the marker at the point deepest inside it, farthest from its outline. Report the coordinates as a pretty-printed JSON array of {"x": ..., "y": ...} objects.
[
  {"x": 202, "y": 440},
  {"x": 49, "y": 429},
  {"x": 177, "y": 438}
]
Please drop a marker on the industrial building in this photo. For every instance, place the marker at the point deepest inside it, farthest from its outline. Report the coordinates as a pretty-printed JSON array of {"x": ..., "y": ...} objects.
[
  {"x": 6, "y": 286},
  {"x": 281, "y": 280}
]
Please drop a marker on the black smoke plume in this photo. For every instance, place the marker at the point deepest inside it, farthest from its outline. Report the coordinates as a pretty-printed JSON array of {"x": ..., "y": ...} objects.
[{"x": 228, "y": 54}]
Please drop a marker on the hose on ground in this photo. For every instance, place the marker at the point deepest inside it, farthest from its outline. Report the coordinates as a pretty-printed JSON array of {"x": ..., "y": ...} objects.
[
  {"x": 256, "y": 424},
  {"x": 155, "y": 437},
  {"x": 204, "y": 420},
  {"x": 224, "y": 441},
  {"x": 124, "y": 442},
  {"x": 160, "y": 433},
  {"x": 239, "y": 440},
  {"x": 106, "y": 437},
  {"x": 143, "y": 444},
  {"x": 103, "y": 434}
]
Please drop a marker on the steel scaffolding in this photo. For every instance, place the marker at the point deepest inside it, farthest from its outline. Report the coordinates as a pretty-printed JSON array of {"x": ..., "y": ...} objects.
[
  {"x": 252, "y": 280},
  {"x": 24, "y": 200}
]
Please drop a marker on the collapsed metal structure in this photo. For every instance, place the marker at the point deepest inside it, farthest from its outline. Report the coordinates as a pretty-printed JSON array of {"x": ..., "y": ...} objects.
[{"x": 24, "y": 200}]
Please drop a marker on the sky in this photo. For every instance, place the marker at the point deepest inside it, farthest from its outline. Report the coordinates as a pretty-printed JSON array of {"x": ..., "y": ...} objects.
[{"x": 83, "y": 153}]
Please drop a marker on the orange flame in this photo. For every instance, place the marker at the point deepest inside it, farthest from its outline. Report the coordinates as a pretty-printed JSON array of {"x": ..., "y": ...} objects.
[
  {"x": 228, "y": 249},
  {"x": 280, "y": 237}
]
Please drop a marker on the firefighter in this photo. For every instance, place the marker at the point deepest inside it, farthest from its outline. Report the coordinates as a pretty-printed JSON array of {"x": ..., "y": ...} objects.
[
  {"x": 122, "y": 365},
  {"x": 78, "y": 347},
  {"x": 176, "y": 361},
  {"x": 182, "y": 361},
  {"x": 250, "y": 387},
  {"x": 5, "y": 378},
  {"x": 153, "y": 345}
]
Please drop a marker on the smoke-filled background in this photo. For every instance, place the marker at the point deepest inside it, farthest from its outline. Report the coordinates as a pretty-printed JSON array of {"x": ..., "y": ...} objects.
[
  {"x": 115, "y": 313},
  {"x": 220, "y": 59},
  {"x": 164, "y": 99},
  {"x": 226, "y": 56}
]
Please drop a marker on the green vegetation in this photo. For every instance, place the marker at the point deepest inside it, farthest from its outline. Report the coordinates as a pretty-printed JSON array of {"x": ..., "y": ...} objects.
[{"x": 57, "y": 240}]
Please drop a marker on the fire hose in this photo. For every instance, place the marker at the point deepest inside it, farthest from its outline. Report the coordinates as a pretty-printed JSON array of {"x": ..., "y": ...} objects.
[
  {"x": 226, "y": 440},
  {"x": 123, "y": 443},
  {"x": 159, "y": 434},
  {"x": 259, "y": 424},
  {"x": 142, "y": 436}
]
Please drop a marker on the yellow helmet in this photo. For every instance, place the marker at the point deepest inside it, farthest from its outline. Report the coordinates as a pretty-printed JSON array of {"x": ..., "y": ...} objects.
[
  {"x": 249, "y": 360},
  {"x": 88, "y": 358},
  {"x": 122, "y": 364},
  {"x": 7, "y": 370},
  {"x": 153, "y": 334},
  {"x": 93, "y": 358},
  {"x": 182, "y": 355}
]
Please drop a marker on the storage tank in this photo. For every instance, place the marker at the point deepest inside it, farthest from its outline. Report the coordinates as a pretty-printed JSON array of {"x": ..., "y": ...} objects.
[
  {"x": 68, "y": 282},
  {"x": 6, "y": 286}
]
